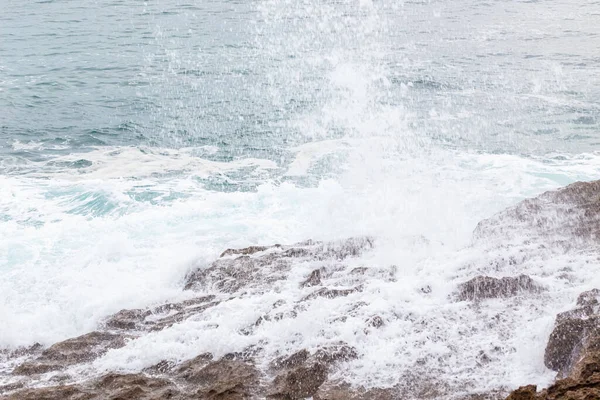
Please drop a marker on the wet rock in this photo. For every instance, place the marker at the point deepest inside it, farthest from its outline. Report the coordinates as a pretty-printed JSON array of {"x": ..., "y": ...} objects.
[
  {"x": 299, "y": 383},
  {"x": 574, "y": 343},
  {"x": 253, "y": 269},
  {"x": 112, "y": 386},
  {"x": 292, "y": 361},
  {"x": 332, "y": 293},
  {"x": 591, "y": 298},
  {"x": 160, "y": 367},
  {"x": 572, "y": 389},
  {"x": 224, "y": 379},
  {"x": 8, "y": 354},
  {"x": 344, "y": 391},
  {"x": 359, "y": 271},
  {"x": 127, "y": 319},
  {"x": 188, "y": 369},
  {"x": 67, "y": 392},
  {"x": 12, "y": 387},
  {"x": 568, "y": 341},
  {"x": 524, "y": 393},
  {"x": 352, "y": 247},
  {"x": 336, "y": 353},
  {"x": 301, "y": 374},
  {"x": 491, "y": 395},
  {"x": 248, "y": 250},
  {"x": 231, "y": 275},
  {"x": 313, "y": 280},
  {"x": 563, "y": 389},
  {"x": 160, "y": 317},
  {"x": 235, "y": 375},
  {"x": 573, "y": 350},
  {"x": 375, "y": 322},
  {"x": 566, "y": 218},
  {"x": 134, "y": 386},
  {"x": 486, "y": 287},
  {"x": 72, "y": 351}
]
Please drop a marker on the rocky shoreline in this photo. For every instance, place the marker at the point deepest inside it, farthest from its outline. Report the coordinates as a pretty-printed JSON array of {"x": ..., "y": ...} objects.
[{"x": 566, "y": 220}]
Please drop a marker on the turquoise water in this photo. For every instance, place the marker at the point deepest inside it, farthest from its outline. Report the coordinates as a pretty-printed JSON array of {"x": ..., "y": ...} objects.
[{"x": 140, "y": 139}]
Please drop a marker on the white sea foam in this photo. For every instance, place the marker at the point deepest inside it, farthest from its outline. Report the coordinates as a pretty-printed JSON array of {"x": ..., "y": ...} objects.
[{"x": 66, "y": 265}]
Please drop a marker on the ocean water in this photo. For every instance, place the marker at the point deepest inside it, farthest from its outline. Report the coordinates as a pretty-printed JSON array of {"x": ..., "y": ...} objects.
[{"x": 140, "y": 139}]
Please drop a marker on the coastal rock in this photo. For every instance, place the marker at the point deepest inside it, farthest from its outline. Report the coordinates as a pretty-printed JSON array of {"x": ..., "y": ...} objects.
[
  {"x": 160, "y": 317},
  {"x": 302, "y": 374},
  {"x": 375, "y": 322},
  {"x": 528, "y": 392},
  {"x": 344, "y": 391},
  {"x": 299, "y": 383},
  {"x": 224, "y": 379},
  {"x": 199, "y": 378},
  {"x": 568, "y": 217},
  {"x": 486, "y": 287},
  {"x": 134, "y": 386},
  {"x": 313, "y": 280},
  {"x": 72, "y": 351},
  {"x": 248, "y": 250},
  {"x": 332, "y": 293},
  {"x": 70, "y": 392},
  {"x": 573, "y": 350},
  {"x": 252, "y": 268},
  {"x": 574, "y": 344}
]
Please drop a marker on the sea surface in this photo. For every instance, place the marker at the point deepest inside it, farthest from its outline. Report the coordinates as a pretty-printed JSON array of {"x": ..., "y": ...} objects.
[{"x": 139, "y": 139}]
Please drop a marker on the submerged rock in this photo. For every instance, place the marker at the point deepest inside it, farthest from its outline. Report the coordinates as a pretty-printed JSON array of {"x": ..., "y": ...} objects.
[{"x": 486, "y": 287}]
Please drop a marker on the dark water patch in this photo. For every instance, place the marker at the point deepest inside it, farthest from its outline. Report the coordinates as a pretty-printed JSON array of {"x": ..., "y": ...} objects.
[
  {"x": 78, "y": 164},
  {"x": 585, "y": 120}
]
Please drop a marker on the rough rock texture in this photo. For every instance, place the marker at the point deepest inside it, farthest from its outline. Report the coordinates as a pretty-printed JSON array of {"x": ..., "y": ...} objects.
[
  {"x": 72, "y": 351},
  {"x": 573, "y": 350},
  {"x": 222, "y": 379},
  {"x": 111, "y": 386},
  {"x": 486, "y": 287},
  {"x": 299, "y": 382},
  {"x": 343, "y": 391},
  {"x": 332, "y": 293},
  {"x": 160, "y": 317},
  {"x": 233, "y": 376},
  {"x": 231, "y": 274},
  {"x": 302, "y": 374},
  {"x": 196, "y": 379},
  {"x": 568, "y": 217},
  {"x": 313, "y": 280},
  {"x": 575, "y": 339}
]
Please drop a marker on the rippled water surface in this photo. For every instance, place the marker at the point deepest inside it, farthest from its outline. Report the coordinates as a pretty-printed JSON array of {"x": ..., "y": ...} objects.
[{"x": 498, "y": 76}]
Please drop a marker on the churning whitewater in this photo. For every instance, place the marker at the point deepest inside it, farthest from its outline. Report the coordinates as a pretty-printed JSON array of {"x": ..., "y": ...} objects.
[{"x": 366, "y": 139}]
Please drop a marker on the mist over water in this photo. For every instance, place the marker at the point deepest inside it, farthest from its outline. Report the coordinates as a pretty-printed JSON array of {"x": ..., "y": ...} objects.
[{"x": 140, "y": 139}]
